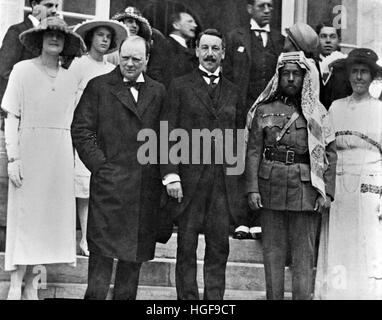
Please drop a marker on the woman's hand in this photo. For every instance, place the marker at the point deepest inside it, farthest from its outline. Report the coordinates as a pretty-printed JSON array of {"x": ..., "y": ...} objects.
[{"x": 14, "y": 173}]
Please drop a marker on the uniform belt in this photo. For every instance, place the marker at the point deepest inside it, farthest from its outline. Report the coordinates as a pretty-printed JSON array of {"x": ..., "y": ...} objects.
[{"x": 288, "y": 156}]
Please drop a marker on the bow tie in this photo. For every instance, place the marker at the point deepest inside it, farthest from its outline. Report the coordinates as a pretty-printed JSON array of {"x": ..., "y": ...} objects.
[
  {"x": 259, "y": 30},
  {"x": 212, "y": 77},
  {"x": 133, "y": 84}
]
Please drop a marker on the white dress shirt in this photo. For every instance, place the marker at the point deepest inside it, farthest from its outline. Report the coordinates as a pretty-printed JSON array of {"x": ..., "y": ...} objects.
[
  {"x": 216, "y": 74},
  {"x": 34, "y": 20},
  {"x": 134, "y": 91},
  {"x": 179, "y": 39},
  {"x": 264, "y": 35}
]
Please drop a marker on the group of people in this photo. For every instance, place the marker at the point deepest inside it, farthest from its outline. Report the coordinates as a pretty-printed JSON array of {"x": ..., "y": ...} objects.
[{"x": 77, "y": 100}]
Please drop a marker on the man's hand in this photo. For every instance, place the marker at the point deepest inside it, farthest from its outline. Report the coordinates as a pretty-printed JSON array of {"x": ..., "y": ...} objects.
[
  {"x": 254, "y": 201},
  {"x": 14, "y": 173},
  {"x": 175, "y": 190},
  {"x": 39, "y": 11},
  {"x": 322, "y": 205}
]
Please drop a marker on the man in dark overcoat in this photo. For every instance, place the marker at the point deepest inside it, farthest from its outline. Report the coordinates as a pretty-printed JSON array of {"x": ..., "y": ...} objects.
[
  {"x": 178, "y": 56},
  {"x": 290, "y": 171},
  {"x": 250, "y": 63},
  {"x": 124, "y": 194},
  {"x": 206, "y": 196}
]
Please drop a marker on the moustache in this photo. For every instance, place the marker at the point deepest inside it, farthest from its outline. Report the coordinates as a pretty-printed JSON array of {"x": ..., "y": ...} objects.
[{"x": 210, "y": 59}]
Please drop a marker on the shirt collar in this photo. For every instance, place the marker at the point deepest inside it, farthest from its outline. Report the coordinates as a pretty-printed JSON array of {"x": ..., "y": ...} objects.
[
  {"x": 34, "y": 20},
  {"x": 255, "y": 26},
  {"x": 179, "y": 39},
  {"x": 216, "y": 73},
  {"x": 140, "y": 79}
]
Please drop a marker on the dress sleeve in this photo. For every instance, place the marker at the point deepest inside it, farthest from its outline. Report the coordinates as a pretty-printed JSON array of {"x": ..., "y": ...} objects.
[{"x": 13, "y": 96}]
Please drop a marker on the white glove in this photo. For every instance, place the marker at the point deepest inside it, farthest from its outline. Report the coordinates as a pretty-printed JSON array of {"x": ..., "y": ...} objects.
[{"x": 14, "y": 173}]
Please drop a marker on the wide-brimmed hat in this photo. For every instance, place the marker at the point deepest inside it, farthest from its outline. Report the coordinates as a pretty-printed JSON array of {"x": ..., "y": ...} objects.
[
  {"x": 303, "y": 37},
  {"x": 145, "y": 30},
  {"x": 119, "y": 28},
  {"x": 361, "y": 55},
  {"x": 32, "y": 38}
]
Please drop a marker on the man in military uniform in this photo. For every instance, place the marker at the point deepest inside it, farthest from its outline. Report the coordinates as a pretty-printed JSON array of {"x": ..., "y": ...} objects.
[{"x": 290, "y": 173}]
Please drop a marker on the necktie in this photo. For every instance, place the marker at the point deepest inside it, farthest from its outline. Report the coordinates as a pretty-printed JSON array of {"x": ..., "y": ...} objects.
[{"x": 259, "y": 31}]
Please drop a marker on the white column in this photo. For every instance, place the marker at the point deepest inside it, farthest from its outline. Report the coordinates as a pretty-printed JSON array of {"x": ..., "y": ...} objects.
[
  {"x": 102, "y": 9},
  {"x": 11, "y": 12},
  {"x": 301, "y": 11},
  {"x": 287, "y": 15}
]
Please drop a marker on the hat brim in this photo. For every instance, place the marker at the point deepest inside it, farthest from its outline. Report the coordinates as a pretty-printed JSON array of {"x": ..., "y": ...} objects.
[
  {"x": 145, "y": 30},
  {"x": 74, "y": 45},
  {"x": 345, "y": 63},
  {"x": 118, "y": 27}
]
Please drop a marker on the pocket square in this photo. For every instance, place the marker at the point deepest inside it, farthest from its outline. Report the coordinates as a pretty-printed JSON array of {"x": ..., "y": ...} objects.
[{"x": 240, "y": 49}]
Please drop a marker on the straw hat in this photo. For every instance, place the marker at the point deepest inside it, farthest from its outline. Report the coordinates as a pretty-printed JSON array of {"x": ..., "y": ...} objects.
[
  {"x": 144, "y": 25},
  {"x": 364, "y": 56},
  {"x": 119, "y": 28},
  {"x": 32, "y": 38},
  {"x": 303, "y": 37}
]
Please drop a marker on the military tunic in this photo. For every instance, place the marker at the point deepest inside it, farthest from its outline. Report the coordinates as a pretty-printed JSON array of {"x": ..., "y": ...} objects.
[{"x": 283, "y": 187}]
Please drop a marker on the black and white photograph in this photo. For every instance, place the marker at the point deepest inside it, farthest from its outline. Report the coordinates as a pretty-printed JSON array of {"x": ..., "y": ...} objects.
[{"x": 191, "y": 150}]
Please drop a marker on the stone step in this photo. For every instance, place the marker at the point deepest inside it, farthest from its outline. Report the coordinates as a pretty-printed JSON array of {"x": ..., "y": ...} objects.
[
  {"x": 77, "y": 291},
  {"x": 249, "y": 251},
  {"x": 161, "y": 272}
]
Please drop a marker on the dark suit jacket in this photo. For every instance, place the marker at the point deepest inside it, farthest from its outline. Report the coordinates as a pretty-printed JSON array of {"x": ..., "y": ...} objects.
[
  {"x": 12, "y": 51},
  {"x": 239, "y": 57},
  {"x": 188, "y": 106},
  {"x": 177, "y": 61},
  {"x": 283, "y": 187},
  {"x": 337, "y": 87},
  {"x": 124, "y": 194}
]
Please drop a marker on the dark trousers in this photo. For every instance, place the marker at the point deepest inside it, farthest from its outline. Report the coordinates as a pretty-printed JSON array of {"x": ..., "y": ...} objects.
[
  {"x": 208, "y": 213},
  {"x": 99, "y": 276},
  {"x": 298, "y": 231}
]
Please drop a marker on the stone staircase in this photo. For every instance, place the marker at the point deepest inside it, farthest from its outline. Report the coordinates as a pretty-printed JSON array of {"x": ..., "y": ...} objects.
[{"x": 244, "y": 275}]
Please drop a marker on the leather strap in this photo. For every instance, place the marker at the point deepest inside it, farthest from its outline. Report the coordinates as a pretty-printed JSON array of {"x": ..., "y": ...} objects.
[{"x": 293, "y": 118}]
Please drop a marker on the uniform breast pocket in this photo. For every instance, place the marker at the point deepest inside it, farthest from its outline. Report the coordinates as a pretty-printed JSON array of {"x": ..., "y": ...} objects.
[{"x": 302, "y": 133}]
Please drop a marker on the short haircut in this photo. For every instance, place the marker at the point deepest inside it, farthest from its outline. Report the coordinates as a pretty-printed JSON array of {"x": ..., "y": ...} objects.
[
  {"x": 175, "y": 17},
  {"x": 327, "y": 24},
  {"x": 89, "y": 37},
  {"x": 135, "y": 38},
  {"x": 210, "y": 32},
  {"x": 31, "y": 1}
]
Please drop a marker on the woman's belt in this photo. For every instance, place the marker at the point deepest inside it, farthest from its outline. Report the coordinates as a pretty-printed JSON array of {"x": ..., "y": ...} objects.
[{"x": 288, "y": 157}]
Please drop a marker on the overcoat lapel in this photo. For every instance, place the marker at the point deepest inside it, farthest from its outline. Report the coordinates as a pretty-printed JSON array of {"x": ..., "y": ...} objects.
[
  {"x": 225, "y": 94},
  {"x": 201, "y": 92},
  {"x": 121, "y": 92},
  {"x": 246, "y": 36},
  {"x": 145, "y": 97}
]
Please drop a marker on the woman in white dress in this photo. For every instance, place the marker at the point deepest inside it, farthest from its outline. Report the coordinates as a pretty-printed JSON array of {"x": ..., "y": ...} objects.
[
  {"x": 101, "y": 37},
  {"x": 39, "y": 102},
  {"x": 350, "y": 256}
]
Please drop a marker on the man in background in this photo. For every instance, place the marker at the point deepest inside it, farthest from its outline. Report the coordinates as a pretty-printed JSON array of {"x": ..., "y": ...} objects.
[
  {"x": 180, "y": 57},
  {"x": 334, "y": 81},
  {"x": 251, "y": 59}
]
